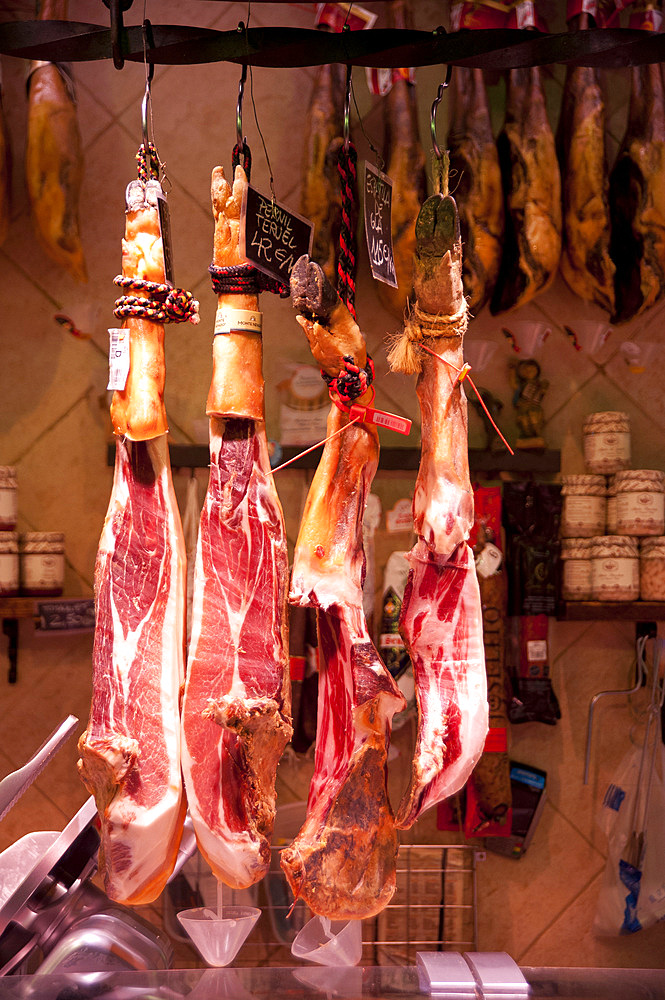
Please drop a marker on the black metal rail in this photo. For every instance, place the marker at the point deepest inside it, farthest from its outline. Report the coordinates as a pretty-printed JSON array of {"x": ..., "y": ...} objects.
[{"x": 281, "y": 47}]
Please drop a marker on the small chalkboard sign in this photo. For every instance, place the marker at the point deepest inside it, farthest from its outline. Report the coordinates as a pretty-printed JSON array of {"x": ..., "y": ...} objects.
[
  {"x": 378, "y": 224},
  {"x": 272, "y": 237},
  {"x": 66, "y": 615}
]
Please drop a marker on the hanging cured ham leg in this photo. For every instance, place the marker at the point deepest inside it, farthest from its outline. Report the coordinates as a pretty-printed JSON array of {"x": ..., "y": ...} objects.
[
  {"x": 475, "y": 163},
  {"x": 130, "y": 753},
  {"x": 236, "y": 711},
  {"x": 532, "y": 188},
  {"x": 586, "y": 264},
  {"x": 637, "y": 198},
  {"x": 441, "y": 620},
  {"x": 54, "y": 158},
  {"x": 342, "y": 863}
]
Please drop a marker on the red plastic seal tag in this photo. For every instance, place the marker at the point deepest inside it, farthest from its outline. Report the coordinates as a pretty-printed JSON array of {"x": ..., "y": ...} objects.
[{"x": 380, "y": 418}]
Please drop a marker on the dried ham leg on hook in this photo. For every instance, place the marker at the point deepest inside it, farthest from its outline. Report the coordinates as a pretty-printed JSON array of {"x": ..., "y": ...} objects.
[
  {"x": 236, "y": 709},
  {"x": 441, "y": 620},
  {"x": 130, "y": 752},
  {"x": 343, "y": 861}
]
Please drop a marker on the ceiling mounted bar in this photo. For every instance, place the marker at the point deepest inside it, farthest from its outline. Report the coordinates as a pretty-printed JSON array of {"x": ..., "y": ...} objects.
[
  {"x": 280, "y": 47},
  {"x": 116, "y": 10}
]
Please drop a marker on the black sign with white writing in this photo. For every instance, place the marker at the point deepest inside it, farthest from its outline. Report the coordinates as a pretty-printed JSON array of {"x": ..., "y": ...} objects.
[
  {"x": 67, "y": 615},
  {"x": 378, "y": 224},
  {"x": 272, "y": 237}
]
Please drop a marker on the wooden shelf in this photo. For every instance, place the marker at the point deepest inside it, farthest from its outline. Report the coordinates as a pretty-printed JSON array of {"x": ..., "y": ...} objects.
[
  {"x": 625, "y": 611},
  {"x": 196, "y": 456}
]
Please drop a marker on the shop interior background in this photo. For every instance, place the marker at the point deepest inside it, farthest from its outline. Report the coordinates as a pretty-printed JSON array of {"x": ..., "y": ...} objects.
[{"x": 55, "y": 428}]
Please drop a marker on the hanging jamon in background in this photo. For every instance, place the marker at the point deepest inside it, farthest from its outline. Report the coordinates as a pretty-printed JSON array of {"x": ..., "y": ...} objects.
[
  {"x": 130, "y": 752},
  {"x": 54, "y": 158},
  {"x": 321, "y": 200},
  {"x": 406, "y": 168},
  {"x": 637, "y": 189},
  {"x": 532, "y": 190},
  {"x": 475, "y": 174},
  {"x": 236, "y": 718},
  {"x": 586, "y": 264}
]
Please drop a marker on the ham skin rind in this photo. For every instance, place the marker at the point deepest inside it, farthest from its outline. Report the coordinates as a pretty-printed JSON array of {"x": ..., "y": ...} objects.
[{"x": 130, "y": 752}]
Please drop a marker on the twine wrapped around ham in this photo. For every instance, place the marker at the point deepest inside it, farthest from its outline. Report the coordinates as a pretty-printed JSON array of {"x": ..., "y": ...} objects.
[
  {"x": 439, "y": 279},
  {"x": 422, "y": 327}
]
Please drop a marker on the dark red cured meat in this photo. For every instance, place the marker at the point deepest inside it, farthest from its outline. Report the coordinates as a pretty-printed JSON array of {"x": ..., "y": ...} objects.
[
  {"x": 130, "y": 753},
  {"x": 236, "y": 705}
]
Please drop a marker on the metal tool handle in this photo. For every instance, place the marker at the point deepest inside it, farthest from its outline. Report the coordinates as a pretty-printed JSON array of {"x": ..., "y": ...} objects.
[{"x": 15, "y": 784}]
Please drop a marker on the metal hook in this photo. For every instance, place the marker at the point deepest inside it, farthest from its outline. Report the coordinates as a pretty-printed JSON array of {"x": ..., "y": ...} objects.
[
  {"x": 241, "y": 93},
  {"x": 347, "y": 109},
  {"x": 150, "y": 72},
  {"x": 435, "y": 105}
]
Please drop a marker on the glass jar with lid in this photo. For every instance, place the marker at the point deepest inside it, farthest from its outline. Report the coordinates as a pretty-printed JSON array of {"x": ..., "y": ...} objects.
[
  {"x": 611, "y": 514},
  {"x": 576, "y": 569},
  {"x": 584, "y": 506},
  {"x": 607, "y": 442},
  {"x": 42, "y": 563},
  {"x": 640, "y": 502},
  {"x": 9, "y": 573},
  {"x": 8, "y": 498},
  {"x": 615, "y": 568},
  {"x": 652, "y": 568}
]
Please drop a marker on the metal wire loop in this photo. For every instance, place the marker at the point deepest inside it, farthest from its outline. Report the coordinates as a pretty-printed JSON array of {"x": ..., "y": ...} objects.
[
  {"x": 241, "y": 93},
  {"x": 435, "y": 105},
  {"x": 347, "y": 109}
]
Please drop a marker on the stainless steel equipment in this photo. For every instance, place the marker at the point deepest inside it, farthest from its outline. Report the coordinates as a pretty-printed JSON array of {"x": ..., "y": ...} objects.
[{"x": 52, "y": 917}]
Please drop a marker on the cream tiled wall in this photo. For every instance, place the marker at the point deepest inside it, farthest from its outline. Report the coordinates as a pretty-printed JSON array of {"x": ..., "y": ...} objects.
[{"x": 54, "y": 427}]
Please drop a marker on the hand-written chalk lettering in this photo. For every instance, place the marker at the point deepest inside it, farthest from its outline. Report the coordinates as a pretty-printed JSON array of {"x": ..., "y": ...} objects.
[
  {"x": 378, "y": 225},
  {"x": 271, "y": 236}
]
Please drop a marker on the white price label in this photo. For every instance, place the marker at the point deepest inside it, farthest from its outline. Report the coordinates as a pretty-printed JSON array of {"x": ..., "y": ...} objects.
[
  {"x": 536, "y": 651},
  {"x": 118, "y": 358},
  {"x": 489, "y": 560}
]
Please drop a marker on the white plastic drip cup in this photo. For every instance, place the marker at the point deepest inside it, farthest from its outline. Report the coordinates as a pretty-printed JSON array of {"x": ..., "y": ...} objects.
[
  {"x": 329, "y": 942},
  {"x": 219, "y": 938}
]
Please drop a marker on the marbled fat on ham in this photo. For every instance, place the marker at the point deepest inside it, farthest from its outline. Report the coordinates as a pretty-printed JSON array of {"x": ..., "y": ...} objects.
[
  {"x": 130, "y": 753},
  {"x": 236, "y": 706}
]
